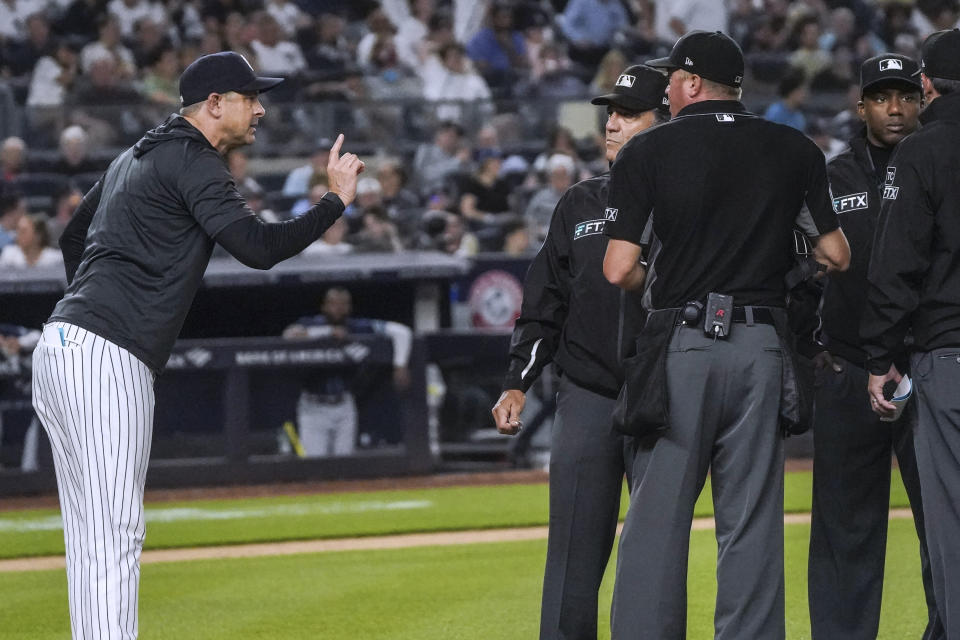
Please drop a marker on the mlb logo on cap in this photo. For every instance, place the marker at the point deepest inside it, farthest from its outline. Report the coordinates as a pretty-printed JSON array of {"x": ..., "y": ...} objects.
[
  {"x": 888, "y": 64},
  {"x": 626, "y": 80}
]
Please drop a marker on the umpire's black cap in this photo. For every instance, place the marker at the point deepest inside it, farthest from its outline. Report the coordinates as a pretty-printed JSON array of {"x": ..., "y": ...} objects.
[
  {"x": 220, "y": 73},
  {"x": 639, "y": 88},
  {"x": 889, "y": 69},
  {"x": 709, "y": 54},
  {"x": 941, "y": 55}
]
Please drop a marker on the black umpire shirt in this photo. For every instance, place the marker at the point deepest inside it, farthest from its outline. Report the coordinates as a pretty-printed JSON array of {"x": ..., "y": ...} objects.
[
  {"x": 136, "y": 249},
  {"x": 914, "y": 274},
  {"x": 726, "y": 188},
  {"x": 570, "y": 313},
  {"x": 856, "y": 183}
]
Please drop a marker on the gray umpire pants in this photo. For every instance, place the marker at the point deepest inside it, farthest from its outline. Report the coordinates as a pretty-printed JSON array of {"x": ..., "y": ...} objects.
[
  {"x": 936, "y": 376},
  {"x": 587, "y": 464},
  {"x": 724, "y": 399},
  {"x": 851, "y": 506}
]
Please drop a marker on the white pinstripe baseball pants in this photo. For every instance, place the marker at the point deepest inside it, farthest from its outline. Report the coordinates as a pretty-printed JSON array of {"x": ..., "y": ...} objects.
[{"x": 95, "y": 401}]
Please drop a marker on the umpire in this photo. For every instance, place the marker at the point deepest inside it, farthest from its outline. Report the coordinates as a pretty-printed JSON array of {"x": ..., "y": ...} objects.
[
  {"x": 914, "y": 284},
  {"x": 725, "y": 189},
  {"x": 573, "y": 316},
  {"x": 135, "y": 253},
  {"x": 851, "y": 461}
]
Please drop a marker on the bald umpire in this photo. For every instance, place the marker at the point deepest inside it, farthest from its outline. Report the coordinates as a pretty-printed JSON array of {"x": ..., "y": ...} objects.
[
  {"x": 574, "y": 317},
  {"x": 725, "y": 190},
  {"x": 914, "y": 285},
  {"x": 135, "y": 253}
]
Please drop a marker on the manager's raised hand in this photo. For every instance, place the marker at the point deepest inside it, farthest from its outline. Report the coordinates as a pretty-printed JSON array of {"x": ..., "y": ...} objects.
[{"x": 342, "y": 172}]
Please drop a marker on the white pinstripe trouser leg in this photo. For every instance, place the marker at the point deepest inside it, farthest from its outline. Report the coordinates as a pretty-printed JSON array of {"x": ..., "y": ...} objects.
[{"x": 95, "y": 401}]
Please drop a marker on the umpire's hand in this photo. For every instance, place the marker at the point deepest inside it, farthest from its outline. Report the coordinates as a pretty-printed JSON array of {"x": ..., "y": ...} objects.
[
  {"x": 342, "y": 172},
  {"x": 506, "y": 413}
]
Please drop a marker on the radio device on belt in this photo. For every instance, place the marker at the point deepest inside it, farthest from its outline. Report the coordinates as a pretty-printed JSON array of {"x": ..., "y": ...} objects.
[{"x": 718, "y": 316}]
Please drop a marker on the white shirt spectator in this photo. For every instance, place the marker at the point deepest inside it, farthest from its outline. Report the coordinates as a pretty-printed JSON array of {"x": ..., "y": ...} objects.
[
  {"x": 441, "y": 83},
  {"x": 13, "y": 17},
  {"x": 45, "y": 89},
  {"x": 708, "y": 15},
  {"x": 287, "y": 14},
  {"x": 12, "y": 256},
  {"x": 284, "y": 58},
  {"x": 96, "y": 50},
  {"x": 127, "y": 16}
]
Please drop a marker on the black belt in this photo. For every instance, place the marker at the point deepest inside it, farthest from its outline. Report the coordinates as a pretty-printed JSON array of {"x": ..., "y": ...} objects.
[{"x": 761, "y": 315}]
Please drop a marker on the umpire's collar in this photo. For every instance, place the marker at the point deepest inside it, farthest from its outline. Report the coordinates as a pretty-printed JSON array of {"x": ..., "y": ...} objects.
[
  {"x": 943, "y": 108},
  {"x": 714, "y": 106}
]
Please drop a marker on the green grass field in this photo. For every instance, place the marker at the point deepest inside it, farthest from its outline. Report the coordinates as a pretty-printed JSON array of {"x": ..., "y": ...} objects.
[{"x": 467, "y": 591}]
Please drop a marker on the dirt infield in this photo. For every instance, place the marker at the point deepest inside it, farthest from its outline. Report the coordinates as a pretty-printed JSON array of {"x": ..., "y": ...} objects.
[{"x": 403, "y": 541}]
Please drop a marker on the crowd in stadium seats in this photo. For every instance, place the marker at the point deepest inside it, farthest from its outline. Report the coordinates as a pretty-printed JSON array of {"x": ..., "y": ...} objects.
[{"x": 456, "y": 104}]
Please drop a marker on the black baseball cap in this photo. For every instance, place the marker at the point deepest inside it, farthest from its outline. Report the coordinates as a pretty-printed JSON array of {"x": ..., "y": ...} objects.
[
  {"x": 889, "y": 69},
  {"x": 709, "y": 54},
  {"x": 639, "y": 88},
  {"x": 220, "y": 73},
  {"x": 941, "y": 55}
]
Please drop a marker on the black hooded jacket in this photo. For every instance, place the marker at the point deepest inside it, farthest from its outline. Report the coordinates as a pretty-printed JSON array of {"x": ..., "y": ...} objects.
[
  {"x": 856, "y": 199},
  {"x": 914, "y": 274},
  {"x": 139, "y": 243}
]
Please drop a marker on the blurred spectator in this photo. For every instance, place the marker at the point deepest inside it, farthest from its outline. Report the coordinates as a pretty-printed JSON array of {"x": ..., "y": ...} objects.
[
  {"x": 819, "y": 132},
  {"x": 14, "y": 15},
  {"x": 318, "y": 187},
  {"x": 20, "y": 57},
  {"x": 412, "y": 31},
  {"x": 561, "y": 172},
  {"x": 108, "y": 45},
  {"x": 238, "y": 33},
  {"x": 894, "y": 22},
  {"x": 238, "y": 164},
  {"x": 388, "y": 79},
  {"x": 52, "y": 79},
  {"x": 74, "y": 147},
  {"x": 439, "y": 34},
  {"x": 82, "y": 18},
  {"x": 807, "y": 54},
  {"x": 447, "y": 232},
  {"x": 369, "y": 195},
  {"x": 65, "y": 203},
  {"x": 288, "y": 15},
  {"x": 770, "y": 32},
  {"x": 379, "y": 29},
  {"x": 13, "y": 206},
  {"x": 105, "y": 104},
  {"x": 13, "y": 159},
  {"x": 274, "y": 54},
  {"x": 129, "y": 12},
  {"x": 935, "y": 15},
  {"x": 847, "y": 122},
  {"x": 148, "y": 42},
  {"x": 484, "y": 196},
  {"x": 559, "y": 140},
  {"x": 673, "y": 18},
  {"x": 402, "y": 205},
  {"x": 435, "y": 161},
  {"x": 326, "y": 409},
  {"x": 590, "y": 25},
  {"x": 330, "y": 55},
  {"x": 793, "y": 94},
  {"x": 498, "y": 50},
  {"x": 742, "y": 22},
  {"x": 554, "y": 77},
  {"x": 377, "y": 233},
  {"x": 451, "y": 80},
  {"x": 331, "y": 243},
  {"x": 298, "y": 180},
  {"x": 516, "y": 239},
  {"x": 31, "y": 248},
  {"x": 161, "y": 84},
  {"x": 608, "y": 71}
]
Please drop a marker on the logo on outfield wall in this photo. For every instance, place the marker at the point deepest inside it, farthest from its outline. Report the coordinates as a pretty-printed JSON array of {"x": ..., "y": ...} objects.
[{"x": 495, "y": 298}]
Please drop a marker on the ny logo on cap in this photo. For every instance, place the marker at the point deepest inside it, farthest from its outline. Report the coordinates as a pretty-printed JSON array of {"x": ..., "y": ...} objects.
[
  {"x": 626, "y": 80},
  {"x": 688, "y": 61},
  {"x": 889, "y": 64}
]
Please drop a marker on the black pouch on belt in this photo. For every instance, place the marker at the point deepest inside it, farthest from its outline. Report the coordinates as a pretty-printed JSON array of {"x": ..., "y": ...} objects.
[
  {"x": 642, "y": 409},
  {"x": 796, "y": 393}
]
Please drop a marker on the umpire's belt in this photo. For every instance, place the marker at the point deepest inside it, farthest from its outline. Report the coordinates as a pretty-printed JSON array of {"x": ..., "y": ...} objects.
[{"x": 747, "y": 315}]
